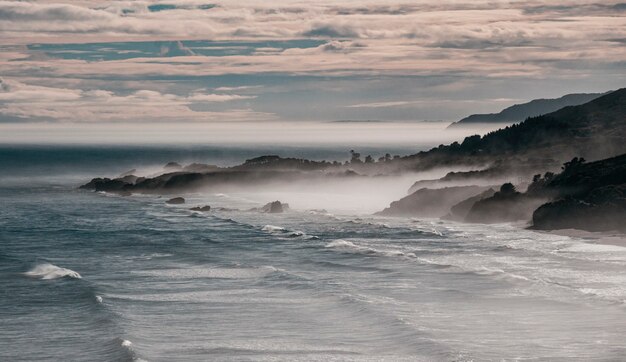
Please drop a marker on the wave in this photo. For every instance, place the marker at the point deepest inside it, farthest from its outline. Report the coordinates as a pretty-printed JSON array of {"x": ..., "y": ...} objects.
[
  {"x": 48, "y": 271},
  {"x": 272, "y": 228},
  {"x": 210, "y": 273},
  {"x": 350, "y": 247},
  {"x": 288, "y": 233},
  {"x": 300, "y": 234}
]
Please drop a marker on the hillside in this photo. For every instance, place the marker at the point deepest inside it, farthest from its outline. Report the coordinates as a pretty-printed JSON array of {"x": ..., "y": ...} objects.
[
  {"x": 594, "y": 130},
  {"x": 534, "y": 108}
]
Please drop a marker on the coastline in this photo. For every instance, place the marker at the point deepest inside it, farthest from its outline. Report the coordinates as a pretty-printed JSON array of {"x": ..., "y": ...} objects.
[{"x": 593, "y": 237}]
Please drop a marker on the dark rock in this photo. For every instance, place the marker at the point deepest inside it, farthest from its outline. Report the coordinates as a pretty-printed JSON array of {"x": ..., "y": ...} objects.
[
  {"x": 224, "y": 209},
  {"x": 173, "y": 166},
  {"x": 459, "y": 211},
  {"x": 201, "y": 208},
  {"x": 128, "y": 173},
  {"x": 200, "y": 167},
  {"x": 505, "y": 205},
  {"x": 275, "y": 207},
  {"x": 106, "y": 185},
  {"x": 431, "y": 202},
  {"x": 176, "y": 201},
  {"x": 129, "y": 179},
  {"x": 603, "y": 209}
]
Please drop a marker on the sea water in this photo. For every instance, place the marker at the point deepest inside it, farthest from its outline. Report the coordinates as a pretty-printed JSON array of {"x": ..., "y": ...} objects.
[{"x": 89, "y": 276}]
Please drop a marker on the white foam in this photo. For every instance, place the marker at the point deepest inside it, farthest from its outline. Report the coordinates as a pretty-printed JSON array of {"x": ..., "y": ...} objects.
[
  {"x": 272, "y": 228},
  {"x": 50, "y": 271},
  {"x": 594, "y": 248},
  {"x": 99, "y": 299},
  {"x": 348, "y": 246},
  {"x": 211, "y": 273}
]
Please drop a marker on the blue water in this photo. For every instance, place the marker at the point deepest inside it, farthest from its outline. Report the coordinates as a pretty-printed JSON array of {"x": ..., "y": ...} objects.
[{"x": 92, "y": 277}]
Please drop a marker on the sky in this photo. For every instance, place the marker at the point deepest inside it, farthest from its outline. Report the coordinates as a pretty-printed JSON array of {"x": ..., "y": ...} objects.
[{"x": 115, "y": 66}]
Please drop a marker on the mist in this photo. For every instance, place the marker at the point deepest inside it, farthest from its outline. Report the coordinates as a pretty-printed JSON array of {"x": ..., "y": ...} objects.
[
  {"x": 352, "y": 134},
  {"x": 350, "y": 195}
]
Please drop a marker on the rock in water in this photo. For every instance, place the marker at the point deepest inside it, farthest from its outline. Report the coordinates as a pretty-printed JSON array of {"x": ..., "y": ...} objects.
[
  {"x": 275, "y": 207},
  {"x": 175, "y": 201},
  {"x": 201, "y": 208}
]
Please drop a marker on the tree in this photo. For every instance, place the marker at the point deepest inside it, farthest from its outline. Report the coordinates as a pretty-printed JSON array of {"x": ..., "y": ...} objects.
[
  {"x": 575, "y": 162},
  {"x": 355, "y": 157},
  {"x": 471, "y": 142},
  {"x": 507, "y": 189}
]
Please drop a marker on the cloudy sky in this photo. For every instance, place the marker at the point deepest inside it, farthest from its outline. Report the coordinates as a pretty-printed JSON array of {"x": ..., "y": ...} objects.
[{"x": 185, "y": 62}]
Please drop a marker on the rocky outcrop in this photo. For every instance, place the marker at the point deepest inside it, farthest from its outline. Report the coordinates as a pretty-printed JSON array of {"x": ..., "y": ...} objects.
[
  {"x": 200, "y": 167},
  {"x": 201, "y": 208},
  {"x": 107, "y": 185},
  {"x": 603, "y": 209},
  {"x": 459, "y": 211},
  {"x": 173, "y": 166},
  {"x": 505, "y": 205},
  {"x": 431, "y": 202},
  {"x": 275, "y": 207},
  {"x": 175, "y": 201}
]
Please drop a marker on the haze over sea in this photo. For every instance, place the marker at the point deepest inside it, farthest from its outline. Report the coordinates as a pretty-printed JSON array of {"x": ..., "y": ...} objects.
[{"x": 94, "y": 277}]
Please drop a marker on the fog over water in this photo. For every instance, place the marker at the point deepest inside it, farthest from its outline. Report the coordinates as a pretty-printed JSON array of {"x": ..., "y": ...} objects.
[{"x": 419, "y": 135}]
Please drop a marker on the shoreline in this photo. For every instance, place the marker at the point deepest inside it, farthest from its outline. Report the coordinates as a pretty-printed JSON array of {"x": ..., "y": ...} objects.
[{"x": 592, "y": 237}]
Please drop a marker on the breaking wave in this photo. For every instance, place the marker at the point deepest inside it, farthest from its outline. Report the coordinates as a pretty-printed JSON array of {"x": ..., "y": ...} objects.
[
  {"x": 48, "y": 271},
  {"x": 350, "y": 247}
]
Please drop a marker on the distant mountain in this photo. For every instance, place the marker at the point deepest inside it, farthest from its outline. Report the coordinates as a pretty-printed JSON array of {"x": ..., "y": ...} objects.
[
  {"x": 593, "y": 130},
  {"x": 520, "y": 112}
]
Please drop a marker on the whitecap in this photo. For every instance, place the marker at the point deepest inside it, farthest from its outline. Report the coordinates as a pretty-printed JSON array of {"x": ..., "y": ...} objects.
[
  {"x": 50, "y": 271},
  {"x": 211, "y": 273},
  {"x": 273, "y": 229},
  {"x": 348, "y": 246},
  {"x": 594, "y": 248}
]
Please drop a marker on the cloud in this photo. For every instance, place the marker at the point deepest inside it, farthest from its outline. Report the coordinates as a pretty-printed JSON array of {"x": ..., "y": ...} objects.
[
  {"x": 382, "y": 104},
  {"x": 238, "y": 88},
  {"x": 158, "y": 43},
  {"x": 330, "y": 30},
  {"x": 175, "y": 49},
  {"x": 24, "y": 101}
]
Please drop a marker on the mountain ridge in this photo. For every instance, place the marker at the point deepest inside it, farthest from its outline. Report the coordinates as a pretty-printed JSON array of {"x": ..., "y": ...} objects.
[{"x": 533, "y": 108}]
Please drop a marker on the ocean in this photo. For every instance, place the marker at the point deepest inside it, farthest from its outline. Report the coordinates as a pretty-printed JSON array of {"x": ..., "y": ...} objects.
[{"x": 90, "y": 276}]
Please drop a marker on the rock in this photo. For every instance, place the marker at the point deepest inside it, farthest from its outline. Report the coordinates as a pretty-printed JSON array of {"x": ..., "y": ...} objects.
[
  {"x": 275, "y": 207},
  {"x": 431, "y": 202},
  {"x": 505, "y": 205},
  {"x": 604, "y": 209},
  {"x": 201, "y": 208},
  {"x": 106, "y": 185},
  {"x": 459, "y": 211},
  {"x": 200, "y": 167},
  {"x": 175, "y": 201},
  {"x": 173, "y": 166},
  {"x": 127, "y": 173},
  {"x": 224, "y": 209},
  {"x": 130, "y": 179}
]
